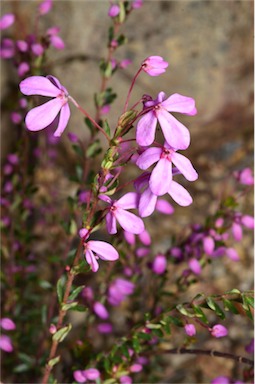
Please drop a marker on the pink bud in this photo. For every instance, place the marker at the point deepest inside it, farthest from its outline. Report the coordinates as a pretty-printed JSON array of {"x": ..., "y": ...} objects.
[
  {"x": 23, "y": 68},
  {"x": 125, "y": 63},
  {"x": 190, "y": 329},
  {"x": 7, "y": 324},
  {"x": 136, "y": 368},
  {"x": 22, "y": 45},
  {"x": 195, "y": 266},
  {"x": 232, "y": 254},
  {"x": 218, "y": 331},
  {"x": 7, "y": 20},
  {"x": 53, "y": 329},
  {"x": 91, "y": 374},
  {"x": 159, "y": 264},
  {"x": 137, "y": 4},
  {"x": 45, "y": 7},
  {"x": 83, "y": 232},
  {"x": 219, "y": 222},
  {"x": 208, "y": 244},
  {"x": 126, "y": 380},
  {"x": 100, "y": 310},
  {"x": 79, "y": 376},
  {"x": 104, "y": 328},
  {"x": 248, "y": 221},
  {"x": 114, "y": 10},
  {"x": 6, "y": 343},
  {"x": 37, "y": 49}
]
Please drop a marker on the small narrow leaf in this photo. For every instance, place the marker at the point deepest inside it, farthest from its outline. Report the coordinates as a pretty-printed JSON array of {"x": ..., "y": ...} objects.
[
  {"x": 229, "y": 306},
  {"x": 54, "y": 361},
  {"x": 62, "y": 333},
  {"x": 60, "y": 288},
  {"x": 75, "y": 292},
  {"x": 199, "y": 313},
  {"x": 66, "y": 307}
]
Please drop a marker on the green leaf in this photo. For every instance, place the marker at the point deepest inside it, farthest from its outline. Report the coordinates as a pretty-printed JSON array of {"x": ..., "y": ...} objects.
[
  {"x": 61, "y": 334},
  {"x": 229, "y": 306},
  {"x": 136, "y": 344},
  {"x": 54, "y": 361},
  {"x": 94, "y": 149},
  {"x": 66, "y": 307},
  {"x": 79, "y": 308},
  {"x": 157, "y": 332},
  {"x": 143, "y": 336},
  {"x": 109, "y": 381},
  {"x": 153, "y": 326},
  {"x": 175, "y": 321},
  {"x": 107, "y": 128},
  {"x": 21, "y": 368},
  {"x": 124, "y": 351},
  {"x": 61, "y": 288},
  {"x": 184, "y": 311},
  {"x": 122, "y": 13},
  {"x": 249, "y": 300},
  {"x": 76, "y": 292},
  {"x": 199, "y": 313},
  {"x": 234, "y": 290},
  {"x": 45, "y": 284},
  {"x": 215, "y": 307}
]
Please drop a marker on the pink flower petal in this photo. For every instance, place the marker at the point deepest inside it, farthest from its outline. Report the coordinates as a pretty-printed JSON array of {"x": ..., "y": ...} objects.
[
  {"x": 104, "y": 250},
  {"x": 179, "y": 194},
  {"x": 100, "y": 310},
  {"x": 179, "y": 103},
  {"x": 111, "y": 224},
  {"x": 164, "y": 206},
  {"x": 146, "y": 128},
  {"x": 209, "y": 245},
  {"x": 57, "y": 42},
  {"x": 128, "y": 201},
  {"x": 161, "y": 177},
  {"x": 91, "y": 260},
  {"x": 42, "y": 116},
  {"x": 129, "y": 222},
  {"x": 7, "y": 20},
  {"x": 185, "y": 167},
  {"x": 148, "y": 157},
  {"x": 79, "y": 376},
  {"x": 237, "y": 231},
  {"x": 248, "y": 221},
  {"x": 6, "y": 343},
  {"x": 175, "y": 133},
  {"x": 38, "y": 85},
  {"x": 63, "y": 120},
  {"x": 147, "y": 203}
]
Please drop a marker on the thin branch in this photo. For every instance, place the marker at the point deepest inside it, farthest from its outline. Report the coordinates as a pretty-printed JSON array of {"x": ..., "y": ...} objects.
[{"x": 209, "y": 352}]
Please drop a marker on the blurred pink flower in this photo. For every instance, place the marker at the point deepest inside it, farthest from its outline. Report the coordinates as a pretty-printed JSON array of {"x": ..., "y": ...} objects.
[
  {"x": 6, "y": 343},
  {"x": 218, "y": 331},
  {"x": 154, "y": 65},
  {"x": 7, "y": 20},
  {"x": 190, "y": 329}
]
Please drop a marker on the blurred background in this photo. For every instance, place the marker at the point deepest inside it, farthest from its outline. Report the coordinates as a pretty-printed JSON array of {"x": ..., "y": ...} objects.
[{"x": 209, "y": 47}]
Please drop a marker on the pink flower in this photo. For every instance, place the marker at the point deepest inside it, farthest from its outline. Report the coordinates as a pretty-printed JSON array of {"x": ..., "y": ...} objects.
[
  {"x": 154, "y": 65},
  {"x": 7, "y": 324},
  {"x": 195, "y": 266},
  {"x": 161, "y": 176},
  {"x": 190, "y": 329},
  {"x": 7, "y": 48},
  {"x": 218, "y": 331},
  {"x": 37, "y": 49},
  {"x": 208, "y": 244},
  {"x": 41, "y": 117},
  {"x": 118, "y": 291},
  {"x": 148, "y": 200},
  {"x": 164, "y": 206},
  {"x": 22, "y": 45},
  {"x": 114, "y": 10},
  {"x": 45, "y": 7},
  {"x": 79, "y": 376},
  {"x": 91, "y": 374},
  {"x": 104, "y": 328},
  {"x": 244, "y": 176},
  {"x": 16, "y": 117},
  {"x": 136, "y": 368},
  {"x": 117, "y": 212},
  {"x": 175, "y": 133},
  {"x": 95, "y": 249},
  {"x": 220, "y": 380},
  {"x": 7, "y": 20},
  {"x": 137, "y": 4},
  {"x": 126, "y": 380},
  {"x": 100, "y": 310},
  {"x": 55, "y": 40},
  {"x": 159, "y": 264},
  {"x": 23, "y": 68},
  {"x": 6, "y": 343}
]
